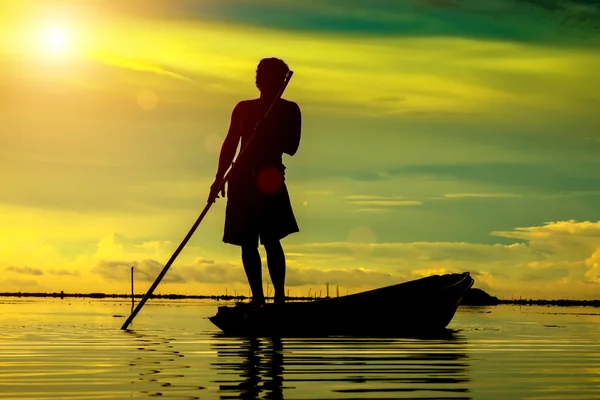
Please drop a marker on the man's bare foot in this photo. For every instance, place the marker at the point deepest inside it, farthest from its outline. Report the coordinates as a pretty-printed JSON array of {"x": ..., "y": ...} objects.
[{"x": 257, "y": 302}]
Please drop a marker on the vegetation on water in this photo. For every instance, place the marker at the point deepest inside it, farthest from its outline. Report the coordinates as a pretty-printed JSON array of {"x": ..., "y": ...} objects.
[{"x": 473, "y": 297}]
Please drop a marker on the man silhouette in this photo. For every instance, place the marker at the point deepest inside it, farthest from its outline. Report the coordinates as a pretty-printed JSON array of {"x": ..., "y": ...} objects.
[{"x": 258, "y": 203}]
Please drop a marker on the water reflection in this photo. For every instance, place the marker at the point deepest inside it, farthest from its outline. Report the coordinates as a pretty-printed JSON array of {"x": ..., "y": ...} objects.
[
  {"x": 54, "y": 350},
  {"x": 342, "y": 367},
  {"x": 251, "y": 367},
  {"x": 160, "y": 369}
]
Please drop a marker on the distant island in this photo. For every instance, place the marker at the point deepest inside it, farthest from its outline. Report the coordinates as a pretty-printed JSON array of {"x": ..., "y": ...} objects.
[
  {"x": 473, "y": 297},
  {"x": 477, "y": 297}
]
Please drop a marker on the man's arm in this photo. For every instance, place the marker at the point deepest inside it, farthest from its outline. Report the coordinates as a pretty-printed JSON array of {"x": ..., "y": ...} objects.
[
  {"x": 290, "y": 145},
  {"x": 231, "y": 142}
]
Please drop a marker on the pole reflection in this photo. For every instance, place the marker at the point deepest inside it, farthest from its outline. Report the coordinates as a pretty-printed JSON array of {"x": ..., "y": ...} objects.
[{"x": 162, "y": 370}]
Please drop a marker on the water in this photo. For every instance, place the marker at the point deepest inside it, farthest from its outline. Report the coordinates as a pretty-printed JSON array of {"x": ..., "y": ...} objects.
[{"x": 74, "y": 349}]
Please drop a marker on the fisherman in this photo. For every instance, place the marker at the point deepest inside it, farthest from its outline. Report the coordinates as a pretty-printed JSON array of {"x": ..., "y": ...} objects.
[{"x": 258, "y": 203}]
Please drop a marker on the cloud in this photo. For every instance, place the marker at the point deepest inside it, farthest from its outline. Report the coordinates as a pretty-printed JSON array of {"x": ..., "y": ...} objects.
[
  {"x": 353, "y": 278},
  {"x": 209, "y": 271},
  {"x": 530, "y": 277},
  {"x": 487, "y": 19},
  {"x": 112, "y": 245},
  {"x": 480, "y": 67},
  {"x": 559, "y": 256},
  {"x": 554, "y": 231},
  {"x": 26, "y": 284},
  {"x": 429, "y": 251},
  {"x": 116, "y": 246},
  {"x": 389, "y": 99},
  {"x": 116, "y": 254},
  {"x": 25, "y": 270},
  {"x": 63, "y": 272},
  {"x": 387, "y": 202},
  {"x": 519, "y": 175},
  {"x": 111, "y": 59},
  {"x": 593, "y": 263},
  {"x": 371, "y": 204},
  {"x": 227, "y": 273},
  {"x": 318, "y": 193},
  {"x": 152, "y": 246},
  {"x": 364, "y": 175},
  {"x": 224, "y": 273},
  {"x": 199, "y": 270},
  {"x": 144, "y": 270},
  {"x": 370, "y": 197},
  {"x": 372, "y": 210},
  {"x": 571, "y": 194},
  {"x": 481, "y": 195}
]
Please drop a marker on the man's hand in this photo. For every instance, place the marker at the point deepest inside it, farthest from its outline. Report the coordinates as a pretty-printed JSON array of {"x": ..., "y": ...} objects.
[{"x": 214, "y": 191}]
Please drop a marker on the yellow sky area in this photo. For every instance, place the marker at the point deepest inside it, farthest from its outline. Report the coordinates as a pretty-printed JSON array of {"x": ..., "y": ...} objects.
[
  {"x": 23, "y": 226},
  {"x": 569, "y": 267},
  {"x": 404, "y": 75}
]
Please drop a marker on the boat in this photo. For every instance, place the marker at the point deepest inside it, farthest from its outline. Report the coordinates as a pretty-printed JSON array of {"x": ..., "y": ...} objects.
[{"x": 421, "y": 306}]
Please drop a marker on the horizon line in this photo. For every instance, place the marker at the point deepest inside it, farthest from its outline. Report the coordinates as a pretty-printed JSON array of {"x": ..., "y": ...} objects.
[{"x": 61, "y": 294}]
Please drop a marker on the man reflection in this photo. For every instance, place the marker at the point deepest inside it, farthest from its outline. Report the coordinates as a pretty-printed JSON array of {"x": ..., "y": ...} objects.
[{"x": 260, "y": 369}]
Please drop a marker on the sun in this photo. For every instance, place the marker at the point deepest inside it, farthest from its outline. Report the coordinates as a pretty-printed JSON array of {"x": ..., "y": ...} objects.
[{"x": 56, "y": 40}]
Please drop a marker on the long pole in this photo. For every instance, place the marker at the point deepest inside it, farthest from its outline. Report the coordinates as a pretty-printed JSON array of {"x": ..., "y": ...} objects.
[
  {"x": 132, "y": 292},
  {"x": 204, "y": 212}
]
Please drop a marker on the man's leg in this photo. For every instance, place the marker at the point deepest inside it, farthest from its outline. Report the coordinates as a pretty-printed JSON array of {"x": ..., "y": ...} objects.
[
  {"x": 276, "y": 264},
  {"x": 252, "y": 266}
]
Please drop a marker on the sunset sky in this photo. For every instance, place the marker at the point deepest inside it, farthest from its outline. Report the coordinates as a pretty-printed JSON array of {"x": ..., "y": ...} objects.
[{"x": 438, "y": 136}]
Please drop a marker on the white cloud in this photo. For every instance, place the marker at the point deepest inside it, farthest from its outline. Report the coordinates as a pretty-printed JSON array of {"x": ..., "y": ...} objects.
[
  {"x": 372, "y": 204},
  {"x": 593, "y": 263},
  {"x": 585, "y": 229},
  {"x": 561, "y": 257}
]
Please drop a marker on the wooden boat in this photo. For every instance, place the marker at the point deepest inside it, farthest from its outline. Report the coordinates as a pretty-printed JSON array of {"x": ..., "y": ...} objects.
[{"x": 421, "y": 306}]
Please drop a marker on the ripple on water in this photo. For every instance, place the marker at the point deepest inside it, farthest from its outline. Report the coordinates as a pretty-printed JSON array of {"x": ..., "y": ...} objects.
[{"x": 173, "y": 353}]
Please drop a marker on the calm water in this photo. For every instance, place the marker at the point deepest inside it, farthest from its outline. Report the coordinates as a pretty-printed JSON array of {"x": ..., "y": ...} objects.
[{"x": 74, "y": 349}]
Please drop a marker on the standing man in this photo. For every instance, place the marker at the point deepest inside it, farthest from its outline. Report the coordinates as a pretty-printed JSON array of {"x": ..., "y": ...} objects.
[{"x": 258, "y": 203}]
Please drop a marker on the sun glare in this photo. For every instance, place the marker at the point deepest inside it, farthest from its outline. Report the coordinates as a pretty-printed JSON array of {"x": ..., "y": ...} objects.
[{"x": 55, "y": 40}]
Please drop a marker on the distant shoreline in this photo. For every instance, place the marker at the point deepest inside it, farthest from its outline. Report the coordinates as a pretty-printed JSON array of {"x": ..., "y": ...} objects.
[
  {"x": 473, "y": 297},
  {"x": 477, "y": 297}
]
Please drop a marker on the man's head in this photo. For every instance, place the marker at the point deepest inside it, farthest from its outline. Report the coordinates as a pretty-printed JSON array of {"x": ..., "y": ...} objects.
[{"x": 270, "y": 74}]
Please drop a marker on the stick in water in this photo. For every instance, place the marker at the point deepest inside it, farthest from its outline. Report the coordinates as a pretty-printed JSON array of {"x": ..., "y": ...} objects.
[
  {"x": 132, "y": 292},
  {"x": 204, "y": 212}
]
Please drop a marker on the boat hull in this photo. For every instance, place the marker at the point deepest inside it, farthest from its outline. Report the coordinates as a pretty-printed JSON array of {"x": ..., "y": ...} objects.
[{"x": 421, "y": 306}]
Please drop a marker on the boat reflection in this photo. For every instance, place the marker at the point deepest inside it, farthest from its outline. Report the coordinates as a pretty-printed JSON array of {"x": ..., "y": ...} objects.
[{"x": 345, "y": 367}]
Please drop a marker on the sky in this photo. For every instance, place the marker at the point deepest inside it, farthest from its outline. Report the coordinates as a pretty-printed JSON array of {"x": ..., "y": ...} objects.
[{"x": 439, "y": 136}]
